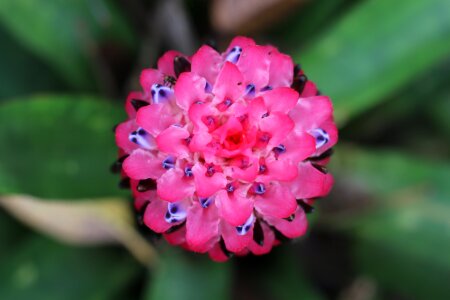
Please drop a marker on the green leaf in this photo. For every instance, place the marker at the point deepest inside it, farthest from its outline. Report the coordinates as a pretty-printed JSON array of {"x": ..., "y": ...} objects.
[
  {"x": 282, "y": 278},
  {"x": 386, "y": 173},
  {"x": 186, "y": 276},
  {"x": 375, "y": 49},
  {"x": 58, "y": 147},
  {"x": 12, "y": 233},
  {"x": 22, "y": 73},
  {"x": 43, "y": 269},
  {"x": 309, "y": 20},
  {"x": 439, "y": 114},
  {"x": 404, "y": 239},
  {"x": 67, "y": 34}
]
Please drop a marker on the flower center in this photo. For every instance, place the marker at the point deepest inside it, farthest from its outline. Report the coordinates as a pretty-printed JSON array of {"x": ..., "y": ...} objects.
[{"x": 233, "y": 141}]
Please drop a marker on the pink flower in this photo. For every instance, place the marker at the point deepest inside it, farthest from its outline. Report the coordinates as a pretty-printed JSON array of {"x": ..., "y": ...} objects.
[{"x": 225, "y": 152}]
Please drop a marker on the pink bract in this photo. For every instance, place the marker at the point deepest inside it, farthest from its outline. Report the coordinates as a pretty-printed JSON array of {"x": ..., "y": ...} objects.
[{"x": 226, "y": 152}]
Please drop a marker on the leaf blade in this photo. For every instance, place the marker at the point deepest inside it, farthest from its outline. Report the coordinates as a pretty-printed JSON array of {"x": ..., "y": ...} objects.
[
  {"x": 195, "y": 278},
  {"x": 58, "y": 146},
  {"x": 66, "y": 34},
  {"x": 364, "y": 58},
  {"x": 405, "y": 228}
]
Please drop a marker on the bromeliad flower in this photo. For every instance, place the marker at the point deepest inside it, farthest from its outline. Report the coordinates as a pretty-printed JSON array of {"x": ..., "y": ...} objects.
[{"x": 226, "y": 152}]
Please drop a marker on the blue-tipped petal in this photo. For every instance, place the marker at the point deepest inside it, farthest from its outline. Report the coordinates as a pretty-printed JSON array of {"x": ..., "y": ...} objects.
[
  {"x": 250, "y": 90},
  {"x": 205, "y": 201},
  {"x": 188, "y": 172},
  {"x": 175, "y": 213},
  {"x": 259, "y": 188},
  {"x": 244, "y": 228},
  {"x": 321, "y": 137},
  {"x": 208, "y": 87},
  {"x": 230, "y": 188},
  {"x": 234, "y": 54},
  {"x": 279, "y": 149},
  {"x": 161, "y": 93},
  {"x": 142, "y": 138},
  {"x": 168, "y": 163},
  {"x": 227, "y": 102},
  {"x": 262, "y": 169}
]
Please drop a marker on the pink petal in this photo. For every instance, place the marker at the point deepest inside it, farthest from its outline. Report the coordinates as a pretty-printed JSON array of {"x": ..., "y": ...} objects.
[
  {"x": 330, "y": 127},
  {"x": 173, "y": 141},
  {"x": 281, "y": 169},
  {"x": 281, "y": 69},
  {"x": 232, "y": 125},
  {"x": 234, "y": 207},
  {"x": 291, "y": 229},
  {"x": 278, "y": 125},
  {"x": 299, "y": 146},
  {"x": 281, "y": 99},
  {"x": 207, "y": 185},
  {"x": 165, "y": 63},
  {"x": 310, "y": 113},
  {"x": 256, "y": 109},
  {"x": 177, "y": 237},
  {"x": 142, "y": 164},
  {"x": 269, "y": 238},
  {"x": 241, "y": 41},
  {"x": 154, "y": 216},
  {"x": 310, "y": 182},
  {"x": 199, "y": 142},
  {"x": 197, "y": 112},
  {"x": 277, "y": 201},
  {"x": 190, "y": 88},
  {"x": 233, "y": 241},
  {"x": 206, "y": 62},
  {"x": 141, "y": 198},
  {"x": 246, "y": 173},
  {"x": 131, "y": 111},
  {"x": 122, "y": 133},
  {"x": 243, "y": 252},
  {"x": 150, "y": 77},
  {"x": 155, "y": 118},
  {"x": 202, "y": 227},
  {"x": 309, "y": 90},
  {"x": 254, "y": 65},
  {"x": 174, "y": 186},
  {"x": 229, "y": 83},
  {"x": 216, "y": 253}
]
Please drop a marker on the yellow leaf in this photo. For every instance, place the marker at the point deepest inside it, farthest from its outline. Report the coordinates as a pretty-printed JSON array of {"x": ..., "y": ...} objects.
[{"x": 88, "y": 222}]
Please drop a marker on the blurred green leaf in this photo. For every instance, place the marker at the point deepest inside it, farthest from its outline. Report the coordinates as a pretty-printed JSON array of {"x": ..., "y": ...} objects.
[
  {"x": 375, "y": 49},
  {"x": 58, "y": 147},
  {"x": 309, "y": 20},
  {"x": 409, "y": 122},
  {"x": 22, "y": 73},
  {"x": 284, "y": 280},
  {"x": 384, "y": 173},
  {"x": 67, "y": 33},
  {"x": 186, "y": 276},
  {"x": 12, "y": 233},
  {"x": 407, "y": 231},
  {"x": 438, "y": 113},
  {"x": 43, "y": 269}
]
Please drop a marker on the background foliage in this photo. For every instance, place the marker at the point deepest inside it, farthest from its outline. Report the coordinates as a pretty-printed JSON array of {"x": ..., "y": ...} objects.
[{"x": 383, "y": 233}]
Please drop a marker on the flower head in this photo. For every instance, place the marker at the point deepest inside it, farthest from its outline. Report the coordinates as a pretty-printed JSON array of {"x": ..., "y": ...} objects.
[{"x": 225, "y": 152}]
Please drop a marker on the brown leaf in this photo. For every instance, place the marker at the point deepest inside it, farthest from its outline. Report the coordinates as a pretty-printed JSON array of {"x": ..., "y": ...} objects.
[
  {"x": 88, "y": 222},
  {"x": 243, "y": 16}
]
